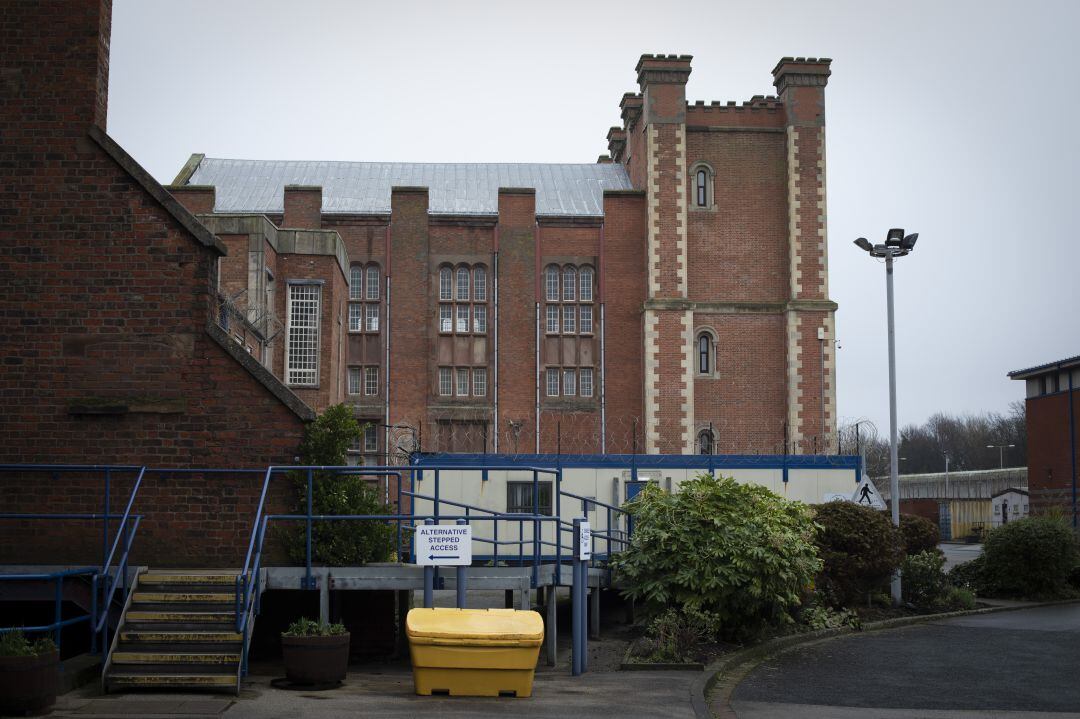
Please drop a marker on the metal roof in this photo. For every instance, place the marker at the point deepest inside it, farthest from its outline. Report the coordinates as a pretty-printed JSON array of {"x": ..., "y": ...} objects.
[
  {"x": 1045, "y": 368},
  {"x": 453, "y": 189}
]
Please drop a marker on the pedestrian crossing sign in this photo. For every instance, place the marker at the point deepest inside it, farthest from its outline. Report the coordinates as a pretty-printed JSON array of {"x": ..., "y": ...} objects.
[{"x": 867, "y": 495}]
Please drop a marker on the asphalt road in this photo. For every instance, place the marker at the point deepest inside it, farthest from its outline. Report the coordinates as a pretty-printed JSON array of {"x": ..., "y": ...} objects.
[{"x": 1021, "y": 661}]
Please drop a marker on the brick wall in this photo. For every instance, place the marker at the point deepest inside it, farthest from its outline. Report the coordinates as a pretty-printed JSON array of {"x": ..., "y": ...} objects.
[{"x": 1049, "y": 465}]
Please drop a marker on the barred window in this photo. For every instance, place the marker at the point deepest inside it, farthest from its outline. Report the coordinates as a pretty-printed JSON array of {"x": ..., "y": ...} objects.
[
  {"x": 551, "y": 284},
  {"x": 553, "y": 319},
  {"x": 356, "y": 282},
  {"x": 585, "y": 280},
  {"x": 569, "y": 319},
  {"x": 552, "y": 382},
  {"x": 569, "y": 382},
  {"x": 372, "y": 282},
  {"x": 462, "y": 319},
  {"x": 480, "y": 284},
  {"x": 371, "y": 438},
  {"x": 302, "y": 350},
  {"x": 446, "y": 289},
  {"x": 479, "y": 382},
  {"x": 446, "y": 318},
  {"x": 371, "y": 381},
  {"x": 446, "y": 382},
  {"x": 354, "y": 380},
  {"x": 356, "y": 317},
  {"x": 569, "y": 284},
  {"x": 585, "y": 325},
  {"x": 480, "y": 319},
  {"x": 463, "y": 284},
  {"x": 462, "y": 382},
  {"x": 585, "y": 381},
  {"x": 371, "y": 318},
  {"x": 526, "y": 497}
]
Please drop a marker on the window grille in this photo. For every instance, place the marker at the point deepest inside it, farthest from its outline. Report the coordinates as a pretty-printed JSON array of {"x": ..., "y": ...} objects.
[
  {"x": 480, "y": 319},
  {"x": 552, "y": 319},
  {"x": 585, "y": 381},
  {"x": 356, "y": 282},
  {"x": 585, "y": 282},
  {"x": 552, "y": 382},
  {"x": 446, "y": 382},
  {"x": 463, "y": 284},
  {"x": 585, "y": 325},
  {"x": 520, "y": 500},
  {"x": 479, "y": 382},
  {"x": 354, "y": 380},
  {"x": 569, "y": 319},
  {"x": 446, "y": 318},
  {"x": 462, "y": 319},
  {"x": 569, "y": 284},
  {"x": 371, "y": 438},
  {"x": 371, "y": 318},
  {"x": 480, "y": 284},
  {"x": 371, "y": 381},
  {"x": 551, "y": 284},
  {"x": 462, "y": 382},
  {"x": 372, "y": 283},
  {"x": 569, "y": 382},
  {"x": 446, "y": 289},
  {"x": 356, "y": 317},
  {"x": 302, "y": 360}
]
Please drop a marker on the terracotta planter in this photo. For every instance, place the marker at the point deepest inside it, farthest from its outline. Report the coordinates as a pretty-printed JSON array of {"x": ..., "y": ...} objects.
[
  {"x": 29, "y": 684},
  {"x": 315, "y": 660}
]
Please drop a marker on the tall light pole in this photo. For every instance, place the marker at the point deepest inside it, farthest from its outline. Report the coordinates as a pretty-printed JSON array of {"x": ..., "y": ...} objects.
[
  {"x": 897, "y": 244},
  {"x": 1001, "y": 452}
]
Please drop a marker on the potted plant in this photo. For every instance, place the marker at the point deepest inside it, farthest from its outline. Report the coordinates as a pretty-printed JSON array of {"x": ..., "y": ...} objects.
[
  {"x": 315, "y": 653},
  {"x": 29, "y": 674}
]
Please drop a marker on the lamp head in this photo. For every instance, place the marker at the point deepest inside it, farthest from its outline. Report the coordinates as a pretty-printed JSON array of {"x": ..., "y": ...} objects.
[
  {"x": 908, "y": 243},
  {"x": 895, "y": 237},
  {"x": 864, "y": 244}
]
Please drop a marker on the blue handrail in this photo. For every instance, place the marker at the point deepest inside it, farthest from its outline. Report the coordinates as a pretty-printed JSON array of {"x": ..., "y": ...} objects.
[{"x": 58, "y": 622}]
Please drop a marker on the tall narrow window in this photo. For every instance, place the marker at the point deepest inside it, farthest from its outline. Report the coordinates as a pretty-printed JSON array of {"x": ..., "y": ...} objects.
[
  {"x": 706, "y": 442},
  {"x": 552, "y": 319},
  {"x": 302, "y": 350},
  {"x": 354, "y": 380},
  {"x": 569, "y": 284},
  {"x": 702, "y": 188},
  {"x": 585, "y": 279},
  {"x": 479, "y": 382},
  {"x": 371, "y": 381},
  {"x": 585, "y": 324},
  {"x": 569, "y": 382},
  {"x": 371, "y": 318},
  {"x": 480, "y": 284},
  {"x": 462, "y": 382},
  {"x": 356, "y": 283},
  {"x": 356, "y": 317},
  {"x": 585, "y": 381},
  {"x": 371, "y": 281},
  {"x": 551, "y": 284},
  {"x": 371, "y": 438},
  {"x": 446, "y": 318},
  {"x": 704, "y": 352},
  {"x": 480, "y": 319},
  {"x": 446, "y": 284},
  {"x": 569, "y": 319},
  {"x": 463, "y": 284},
  {"x": 462, "y": 319},
  {"x": 552, "y": 382},
  {"x": 446, "y": 381}
]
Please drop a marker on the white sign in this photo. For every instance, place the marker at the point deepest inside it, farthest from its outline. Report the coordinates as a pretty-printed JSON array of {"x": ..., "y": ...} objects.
[
  {"x": 836, "y": 497},
  {"x": 867, "y": 495},
  {"x": 585, "y": 541},
  {"x": 443, "y": 546}
]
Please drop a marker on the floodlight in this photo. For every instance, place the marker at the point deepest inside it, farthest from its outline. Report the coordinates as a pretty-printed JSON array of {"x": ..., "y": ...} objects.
[
  {"x": 864, "y": 244},
  {"x": 895, "y": 237}
]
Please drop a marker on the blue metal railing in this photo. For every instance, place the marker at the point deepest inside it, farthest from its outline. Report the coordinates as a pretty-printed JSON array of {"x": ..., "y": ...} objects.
[{"x": 104, "y": 576}]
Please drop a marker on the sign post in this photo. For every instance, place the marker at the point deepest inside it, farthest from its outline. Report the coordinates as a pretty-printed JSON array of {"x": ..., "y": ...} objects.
[
  {"x": 462, "y": 570},
  {"x": 437, "y": 546},
  {"x": 582, "y": 554}
]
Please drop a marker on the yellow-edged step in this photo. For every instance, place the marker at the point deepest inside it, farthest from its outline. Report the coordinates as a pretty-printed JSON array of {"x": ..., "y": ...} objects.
[
  {"x": 158, "y": 578},
  {"x": 136, "y": 615},
  {"x": 474, "y": 652},
  {"x": 170, "y": 680},
  {"x": 173, "y": 658},
  {"x": 180, "y": 597},
  {"x": 170, "y": 637}
]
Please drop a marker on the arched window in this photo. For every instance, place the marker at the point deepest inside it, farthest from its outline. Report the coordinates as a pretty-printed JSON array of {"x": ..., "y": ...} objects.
[
  {"x": 356, "y": 283},
  {"x": 702, "y": 180},
  {"x": 706, "y": 442},
  {"x": 705, "y": 350},
  {"x": 702, "y": 188},
  {"x": 480, "y": 284},
  {"x": 372, "y": 281},
  {"x": 551, "y": 283},
  {"x": 463, "y": 284},
  {"x": 585, "y": 284},
  {"x": 569, "y": 284},
  {"x": 446, "y": 284}
]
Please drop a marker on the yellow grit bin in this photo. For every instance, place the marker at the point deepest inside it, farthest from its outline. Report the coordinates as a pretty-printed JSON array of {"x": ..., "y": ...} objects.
[{"x": 474, "y": 652}]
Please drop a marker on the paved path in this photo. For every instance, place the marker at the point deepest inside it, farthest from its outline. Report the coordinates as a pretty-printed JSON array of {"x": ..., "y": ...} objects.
[
  {"x": 959, "y": 553},
  {"x": 1007, "y": 664}
]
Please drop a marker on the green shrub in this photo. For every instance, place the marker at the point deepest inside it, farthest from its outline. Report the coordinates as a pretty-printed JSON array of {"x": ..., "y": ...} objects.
[
  {"x": 304, "y": 627},
  {"x": 822, "y": 616},
  {"x": 680, "y": 635},
  {"x": 920, "y": 534},
  {"x": 342, "y": 542},
  {"x": 1030, "y": 557},
  {"x": 970, "y": 575},
  {"x": 924, "y": 583},
  {"x": 860, "y": 548},
  {"x": 734, "y": 550},
  {"x": 959, "y": 598},
  {"x": 15, "y": 644}
]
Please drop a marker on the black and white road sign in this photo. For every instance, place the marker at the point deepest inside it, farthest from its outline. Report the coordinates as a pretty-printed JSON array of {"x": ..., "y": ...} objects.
[
  {"x": 867, "y": 495},
  {"x": 585, "y": 541},
  {"x": 443, "y": 546}
]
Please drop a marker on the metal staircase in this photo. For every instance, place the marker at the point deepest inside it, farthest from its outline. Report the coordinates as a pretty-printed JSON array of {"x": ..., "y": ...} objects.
[{"x": 178, "y": 631}]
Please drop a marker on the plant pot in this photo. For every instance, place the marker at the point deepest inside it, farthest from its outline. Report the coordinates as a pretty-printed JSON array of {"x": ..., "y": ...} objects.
[
  {"x": 315, "y": 660},
  {"x": 29, "y": 684}
]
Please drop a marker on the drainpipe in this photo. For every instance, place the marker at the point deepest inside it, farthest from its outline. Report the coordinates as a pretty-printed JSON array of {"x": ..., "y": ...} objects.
[
  {"x": 537, "y": 283},
  {"x": 386, "y": 365},
  {"x": 1072, "y": 446},
  {"x": 603, "y": 363},
  {"x": 495, "y": 333}
]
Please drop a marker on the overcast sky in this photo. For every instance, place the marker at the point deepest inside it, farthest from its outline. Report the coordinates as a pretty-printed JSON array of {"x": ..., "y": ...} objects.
[{"x": 953, "y": 119}]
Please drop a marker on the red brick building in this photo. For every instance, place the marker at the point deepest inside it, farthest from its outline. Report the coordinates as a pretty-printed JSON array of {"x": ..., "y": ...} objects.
[
  {"x": 1053, "y": 434},
  {"x": 670, "y": 298}
]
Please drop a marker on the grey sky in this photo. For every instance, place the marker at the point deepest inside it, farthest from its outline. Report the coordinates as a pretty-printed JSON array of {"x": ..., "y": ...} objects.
[{"x": 952, "y": 119}]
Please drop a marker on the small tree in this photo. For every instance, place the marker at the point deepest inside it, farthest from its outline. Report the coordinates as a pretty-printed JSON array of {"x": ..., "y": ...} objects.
[
  {"x": 1030, "y": 557},
  {"x": 860, "y": 548},
  {"x": 920, "y": 534},
  {"x": 736, "y": 551},
  {"x": 340, "y": 542}
]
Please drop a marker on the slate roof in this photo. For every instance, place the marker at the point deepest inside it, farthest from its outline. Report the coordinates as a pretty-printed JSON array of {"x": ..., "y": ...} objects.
[{"x": 454, "y": 189}]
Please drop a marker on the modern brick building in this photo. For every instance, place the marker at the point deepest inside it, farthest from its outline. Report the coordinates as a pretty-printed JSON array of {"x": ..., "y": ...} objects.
[
  {"x": 1053, "y": 434},
  {"x": 670, "y": 298}
]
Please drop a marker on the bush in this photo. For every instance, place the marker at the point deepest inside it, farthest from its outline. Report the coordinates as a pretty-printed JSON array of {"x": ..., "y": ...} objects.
[
  {"x": 304, "y": 627},
  {"x": 821, "y": 616},
  {"x": 337, "y": 543},
  {"x": 679, "y": 636},
  {"x": 1030, "y": 557},
  {"x": 737, "y": 551},
  {"x": 924, "y": 583},
  {"x": 959, "y": 598},
  {"x": 920, "y": 534},
  {"x": 15, "y": 644},
  {"x": 860, "y": 548}
]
